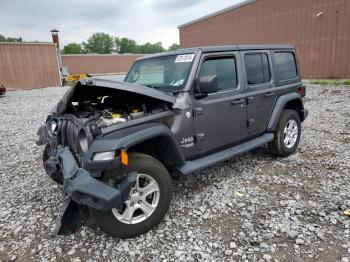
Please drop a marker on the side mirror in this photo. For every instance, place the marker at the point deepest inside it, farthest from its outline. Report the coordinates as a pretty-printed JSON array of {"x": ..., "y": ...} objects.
[{"x": 207, "y": 85}]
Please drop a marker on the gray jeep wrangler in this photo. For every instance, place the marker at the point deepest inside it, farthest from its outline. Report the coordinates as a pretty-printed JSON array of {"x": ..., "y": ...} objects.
[{"x": 114, "y": 145}]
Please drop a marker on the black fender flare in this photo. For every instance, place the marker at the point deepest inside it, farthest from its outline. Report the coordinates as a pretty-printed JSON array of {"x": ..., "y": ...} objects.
[
  {"x": 279, "y": 107},
  {"x": 132, "y": 136}
]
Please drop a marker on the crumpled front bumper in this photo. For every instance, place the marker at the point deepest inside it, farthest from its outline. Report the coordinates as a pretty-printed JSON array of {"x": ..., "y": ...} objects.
[
  {"x": 84, "y": 190},
  {"x": 82, "y": 187}
]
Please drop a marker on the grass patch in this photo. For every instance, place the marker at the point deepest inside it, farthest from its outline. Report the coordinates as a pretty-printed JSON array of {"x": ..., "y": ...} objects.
[
  {"x": 329, "y": 82},
  {"x": 319, "y": 82}
]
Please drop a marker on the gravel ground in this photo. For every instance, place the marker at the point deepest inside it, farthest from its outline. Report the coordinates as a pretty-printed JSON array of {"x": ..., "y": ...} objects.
[{"x": 255, "y": 207}]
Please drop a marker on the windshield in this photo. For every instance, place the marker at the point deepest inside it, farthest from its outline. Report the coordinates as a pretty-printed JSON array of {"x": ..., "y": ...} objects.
[{"x": 167, "y": 73}]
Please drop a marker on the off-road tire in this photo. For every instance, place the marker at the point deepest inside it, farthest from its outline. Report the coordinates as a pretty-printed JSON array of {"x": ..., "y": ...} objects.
[
  {"x": 143, "y": 164},
  {"x": 277, "y": 146},
  {"x": 57, "y": 176}
]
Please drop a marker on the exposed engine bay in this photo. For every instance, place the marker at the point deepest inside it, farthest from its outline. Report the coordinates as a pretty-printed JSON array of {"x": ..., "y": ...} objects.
[
  {"x": 105, "y": 112},
  {"x": 105, "y": 107}
]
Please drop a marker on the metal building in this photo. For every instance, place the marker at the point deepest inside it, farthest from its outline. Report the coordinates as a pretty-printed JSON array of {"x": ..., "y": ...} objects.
[
  {"x": 319, "y": 30},
  {"x": 98, "y": 63},
  {"x": 28, "y": 65}
]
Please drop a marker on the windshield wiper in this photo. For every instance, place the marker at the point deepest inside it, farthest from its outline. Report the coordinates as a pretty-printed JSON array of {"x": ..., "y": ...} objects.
[
  {"x": 155, "y": 87},
  {"x": 175, "y": 92}
]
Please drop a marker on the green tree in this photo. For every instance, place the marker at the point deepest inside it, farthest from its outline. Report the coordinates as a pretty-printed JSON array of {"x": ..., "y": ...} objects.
[
  {"x": 149, "y": 48},
  {"x": 126, "y": 45},
  {"x": 72, "y": 48},
  {"x": 174, "y": 46},
  {"x": 100, "y": 43},
  {"x": 10, "y": 39}
]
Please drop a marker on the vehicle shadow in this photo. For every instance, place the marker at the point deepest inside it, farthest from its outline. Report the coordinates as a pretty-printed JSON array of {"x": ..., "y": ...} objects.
[{"x": 220, "y": 172}]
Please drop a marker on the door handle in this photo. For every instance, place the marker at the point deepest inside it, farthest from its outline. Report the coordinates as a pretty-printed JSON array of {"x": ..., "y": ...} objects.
[
  {"x": 238, "y": 102},
  {"x": 269, "y": 94}
]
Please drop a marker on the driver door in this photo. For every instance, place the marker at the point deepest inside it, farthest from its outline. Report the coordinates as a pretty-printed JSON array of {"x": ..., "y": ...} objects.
[{"x": 220, "y": 118}]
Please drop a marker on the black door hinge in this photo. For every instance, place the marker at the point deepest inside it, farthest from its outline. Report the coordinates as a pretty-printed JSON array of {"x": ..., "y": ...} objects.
[
  {"x": 250, "y": 100},
  {"x": 199, "y": 137},
  {"x": 197, "y": 111}
]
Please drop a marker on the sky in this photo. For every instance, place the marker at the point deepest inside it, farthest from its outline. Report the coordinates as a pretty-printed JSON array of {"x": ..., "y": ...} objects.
[{"x": 141, "y": 20}]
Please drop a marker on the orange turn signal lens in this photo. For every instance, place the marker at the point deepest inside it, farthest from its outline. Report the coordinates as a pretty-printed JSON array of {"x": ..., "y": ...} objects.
[{"x": 124, "y": 158}]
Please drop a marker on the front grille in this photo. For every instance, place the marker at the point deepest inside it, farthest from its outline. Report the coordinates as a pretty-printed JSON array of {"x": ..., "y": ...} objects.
[{"x": 69, "y": 131}]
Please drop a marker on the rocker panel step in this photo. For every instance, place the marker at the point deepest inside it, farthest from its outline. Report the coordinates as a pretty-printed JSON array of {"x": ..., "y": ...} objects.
[{"x": 210, "y": 160}]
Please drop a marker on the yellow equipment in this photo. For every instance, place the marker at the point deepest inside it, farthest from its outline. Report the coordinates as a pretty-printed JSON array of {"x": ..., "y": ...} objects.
[{"x": 72, "y": 79}]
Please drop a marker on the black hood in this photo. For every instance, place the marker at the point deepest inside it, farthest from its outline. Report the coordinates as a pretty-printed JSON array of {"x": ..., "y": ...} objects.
[
  {"x": 92, "y": 85},
  {"x": 142, "y": 90}
]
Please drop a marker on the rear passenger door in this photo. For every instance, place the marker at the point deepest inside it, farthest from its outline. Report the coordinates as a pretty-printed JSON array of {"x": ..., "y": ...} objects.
[{"x": 261, "y": 95}]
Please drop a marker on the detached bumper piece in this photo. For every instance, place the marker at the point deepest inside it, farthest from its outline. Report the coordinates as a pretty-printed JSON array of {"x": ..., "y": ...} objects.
[
  {"x": 84, "y": 190},
  {"x": 72, "y": 216}
]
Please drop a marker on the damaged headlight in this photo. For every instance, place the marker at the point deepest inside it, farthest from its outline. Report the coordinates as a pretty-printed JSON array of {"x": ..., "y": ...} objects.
[
  {"x": 103, "y": 156},
  {"x": 54, "y": 127}
]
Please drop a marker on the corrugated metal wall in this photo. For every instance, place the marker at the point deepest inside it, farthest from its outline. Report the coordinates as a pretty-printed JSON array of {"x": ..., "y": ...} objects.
[
  {"x": 98, "y": 64},
  {"x": 26, "y": 65},
  {"x": 319, "y": 30}
]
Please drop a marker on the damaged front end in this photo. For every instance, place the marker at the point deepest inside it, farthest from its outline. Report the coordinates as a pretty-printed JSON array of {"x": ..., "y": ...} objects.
[
  {"x": 84, "y": 190},
  {"x": 77, "y": 154}
]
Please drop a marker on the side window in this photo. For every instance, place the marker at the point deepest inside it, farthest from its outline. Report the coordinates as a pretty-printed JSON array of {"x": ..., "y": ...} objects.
[
  {"x": 257, "y": 68},
  {"x": 285, "y": 65},
  {"x": 224, "y": 68}
]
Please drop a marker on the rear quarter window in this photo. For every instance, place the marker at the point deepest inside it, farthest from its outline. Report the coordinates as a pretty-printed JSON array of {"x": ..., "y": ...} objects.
[{"x": 285, "y": 64}]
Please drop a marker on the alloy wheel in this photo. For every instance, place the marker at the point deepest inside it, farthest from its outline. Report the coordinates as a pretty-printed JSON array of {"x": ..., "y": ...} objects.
[
  {"x": 142, "y": 201},
  {"x": 290, "y": 133}
]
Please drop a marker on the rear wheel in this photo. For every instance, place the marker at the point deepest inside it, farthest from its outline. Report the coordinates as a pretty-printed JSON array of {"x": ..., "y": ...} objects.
[
  {"x": 148, "y": 201},
  {"x": 287, "y": 134}
]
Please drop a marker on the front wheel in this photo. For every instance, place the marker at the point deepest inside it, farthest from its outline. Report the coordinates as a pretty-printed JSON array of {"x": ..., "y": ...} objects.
[
  {"x": 148, "y": 201},
  {"x": 287, "y": 134}
]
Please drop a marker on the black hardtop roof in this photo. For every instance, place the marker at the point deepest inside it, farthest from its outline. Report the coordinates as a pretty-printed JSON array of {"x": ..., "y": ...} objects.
[
  {"x": 242, "y": 47},
  {"x": 206, "y": 49}
]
